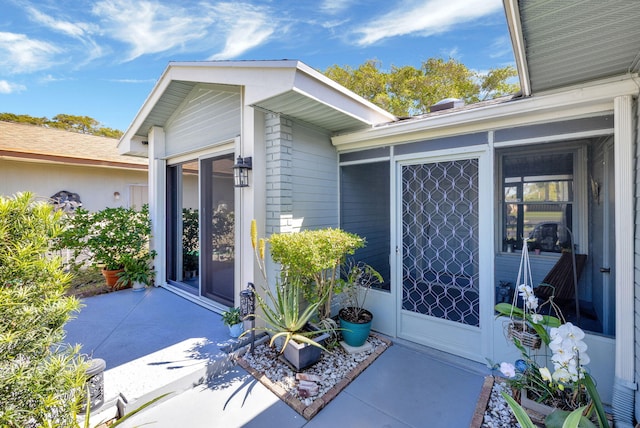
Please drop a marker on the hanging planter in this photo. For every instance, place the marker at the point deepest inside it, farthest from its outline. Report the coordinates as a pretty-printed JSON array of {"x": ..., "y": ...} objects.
[
  {"x": 520, "y": 325},
  {"x": 526, "y": 335}
]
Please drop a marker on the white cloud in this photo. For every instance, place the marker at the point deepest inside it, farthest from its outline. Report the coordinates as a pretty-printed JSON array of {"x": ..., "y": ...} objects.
[
  {"x": 135, "y": 81},
  {"x": 150, "y": 27},
  {"x": 452, "y": 53},
  {"x": 425, "y": 18},
  {"x": 9, "y": 88},
  {"x": 77, "y": 30},
  {"x": 20, "y": 54},
  {"x": 334, "y": 6},
  {"x": 501, "y": 47},
  {"x": 81, "y": 31},
  {"x": 244, "y": 27}
]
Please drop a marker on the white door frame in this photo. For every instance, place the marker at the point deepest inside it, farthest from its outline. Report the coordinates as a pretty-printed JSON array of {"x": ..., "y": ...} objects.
[{"x": 467, "y": 341}]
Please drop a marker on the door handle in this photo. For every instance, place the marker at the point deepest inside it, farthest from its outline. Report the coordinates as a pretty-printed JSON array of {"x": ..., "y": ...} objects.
[{"x": 605, "y": 270}]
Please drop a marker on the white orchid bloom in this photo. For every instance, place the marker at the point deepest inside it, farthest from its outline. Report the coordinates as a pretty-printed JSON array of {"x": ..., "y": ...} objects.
[
  {"x": 525, "y": 291},
  {"x": 508, "y": 370},
  {"x": 536, "y": 318}
]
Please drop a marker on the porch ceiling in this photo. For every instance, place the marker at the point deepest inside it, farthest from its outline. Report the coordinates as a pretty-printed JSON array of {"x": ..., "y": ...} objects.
[
  {"x": 299, "y": 106},
  {"x": 168, "y": 103},
  {"x": 575, "y": 41}
]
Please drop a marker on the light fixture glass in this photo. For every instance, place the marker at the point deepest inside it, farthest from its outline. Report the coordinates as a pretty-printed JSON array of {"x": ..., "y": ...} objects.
[{"x": 241, "y": 172}]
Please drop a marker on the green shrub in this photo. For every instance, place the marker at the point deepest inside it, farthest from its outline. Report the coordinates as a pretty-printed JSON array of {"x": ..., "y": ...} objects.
[
  {"x": 41, "y": 381},
  {"x": 107, "y": 237},
  {"x": 314, "y": 258}
]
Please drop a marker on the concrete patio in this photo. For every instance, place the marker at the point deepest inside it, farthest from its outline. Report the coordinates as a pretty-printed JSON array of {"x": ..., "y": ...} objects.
[{"x": 155, "y": 342}]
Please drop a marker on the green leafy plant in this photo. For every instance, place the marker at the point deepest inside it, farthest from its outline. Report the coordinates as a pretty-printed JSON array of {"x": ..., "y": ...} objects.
[
  {"x": 284, "y": 316},
  {"x": 282, "y": 312},
  {"x": 358, "y": 277},
  {"x": 561, "y": 419},
  {"x": 41, "y": 381},
  {"x": 231, "y": 317},
  {"x": 190, "y": 239},
  {"x": 136, "y": 269},
  {"x": 312, "y": 259},
  {"x": 569, "y": 386},
  {"x": 107, "y": 237}
]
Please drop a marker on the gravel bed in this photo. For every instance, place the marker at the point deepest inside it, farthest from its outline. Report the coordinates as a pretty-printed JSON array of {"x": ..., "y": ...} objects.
[
  {"x": 331, "y": 368},
  {"x": 498, "y": 413}
]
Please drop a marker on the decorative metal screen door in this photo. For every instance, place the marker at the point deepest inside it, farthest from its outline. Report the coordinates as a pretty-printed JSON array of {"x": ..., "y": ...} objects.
[{"x": 440, "y": 303}]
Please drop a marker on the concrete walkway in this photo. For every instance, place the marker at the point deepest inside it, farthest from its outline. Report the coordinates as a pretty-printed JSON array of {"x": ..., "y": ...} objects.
[{"x": 155, "y": 342}]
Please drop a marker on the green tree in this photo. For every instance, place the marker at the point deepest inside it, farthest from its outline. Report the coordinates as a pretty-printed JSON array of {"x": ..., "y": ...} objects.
[
  {"x": 81, "y": 124},
  {"x": 408, "y": 91},
  {"x": 41, "y": 381},
  {"x": 68, "y": 122}
]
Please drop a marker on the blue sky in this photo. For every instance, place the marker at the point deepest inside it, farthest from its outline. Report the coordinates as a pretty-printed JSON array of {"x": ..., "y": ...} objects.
[{"x": 101, "y": 58}]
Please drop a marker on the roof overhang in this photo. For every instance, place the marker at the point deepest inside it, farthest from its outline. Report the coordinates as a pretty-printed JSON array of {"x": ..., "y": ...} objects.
[
  {"x": 576, "y": 101},
  {"x": 290, "y": 88},
  {"x": 560, "y": 44}
]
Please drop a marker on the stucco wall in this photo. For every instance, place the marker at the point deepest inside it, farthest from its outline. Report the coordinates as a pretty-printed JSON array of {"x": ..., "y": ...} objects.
[{"x": 96, "y": 186}]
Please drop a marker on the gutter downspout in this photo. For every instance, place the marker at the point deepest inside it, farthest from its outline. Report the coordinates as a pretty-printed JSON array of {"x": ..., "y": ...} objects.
[{"x": 512, "y": 13}]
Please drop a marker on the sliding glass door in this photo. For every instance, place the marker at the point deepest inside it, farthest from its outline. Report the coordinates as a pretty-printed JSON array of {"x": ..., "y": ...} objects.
[
  {"x": 217, "y": 201},
  {"x": 200, "y": 227}
]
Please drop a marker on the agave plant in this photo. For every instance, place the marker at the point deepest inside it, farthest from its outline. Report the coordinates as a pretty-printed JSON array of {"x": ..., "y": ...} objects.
[
  {"x": 282, "y": 312},
  {"x": 284, "y": 316}
]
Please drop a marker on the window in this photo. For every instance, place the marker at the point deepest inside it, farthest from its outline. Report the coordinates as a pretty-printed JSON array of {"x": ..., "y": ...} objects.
[{"x": 538, "y": 200}]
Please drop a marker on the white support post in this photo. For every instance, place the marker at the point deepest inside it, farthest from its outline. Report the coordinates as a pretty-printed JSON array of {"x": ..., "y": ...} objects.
[
  {"x": 624, "y": 385},
  {"x": 157, "y": 199}
]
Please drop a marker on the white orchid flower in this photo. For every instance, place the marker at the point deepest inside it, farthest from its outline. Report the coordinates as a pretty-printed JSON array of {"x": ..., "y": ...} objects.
[{"x": 508, "y": 369}]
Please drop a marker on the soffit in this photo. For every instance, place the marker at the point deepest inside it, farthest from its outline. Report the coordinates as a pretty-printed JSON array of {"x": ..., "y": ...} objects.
[
  {"x": 289, "y": 88},
  {"x": 299, "y": 106},
  {"x": 169, "y": 101},
  {"x": 574, "y": 41}
]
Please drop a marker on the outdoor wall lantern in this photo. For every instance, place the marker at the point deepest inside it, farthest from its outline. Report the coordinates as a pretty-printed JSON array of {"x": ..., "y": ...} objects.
[
  {"x": 248, "y": 309},
  {"x": 241, "y": 172}
]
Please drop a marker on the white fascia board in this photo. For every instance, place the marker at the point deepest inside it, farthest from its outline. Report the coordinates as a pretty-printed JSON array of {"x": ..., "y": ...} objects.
[
  {"x": 265, "y": 78},
  {"x": 310, "y": 81},
  {"x": 579, "y": 101},
  {"x": 512, "y": 14},
  {"x": 158, "y": 89},
  {"x": 133, "y": 147}
]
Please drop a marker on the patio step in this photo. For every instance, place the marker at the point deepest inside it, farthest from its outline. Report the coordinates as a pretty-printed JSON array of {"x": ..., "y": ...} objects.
[{"x": 170, "y": 371}]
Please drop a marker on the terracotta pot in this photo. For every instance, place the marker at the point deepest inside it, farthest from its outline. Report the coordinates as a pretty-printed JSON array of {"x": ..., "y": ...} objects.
[{"x": 111, "y": 276}]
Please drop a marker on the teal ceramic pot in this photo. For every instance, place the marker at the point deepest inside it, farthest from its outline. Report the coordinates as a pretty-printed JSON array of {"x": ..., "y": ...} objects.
[{"x": 355, "y": 334}]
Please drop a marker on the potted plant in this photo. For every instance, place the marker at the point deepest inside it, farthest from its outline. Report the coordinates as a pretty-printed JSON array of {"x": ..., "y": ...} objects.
[
  {"x": 104, "y": 238},
  {"x": 315, "y": 257},
  {"x": 355, "y": 320},
  {"x": 285, "y": 315},
  {"x": 233, "y": 320},
  {"x": 136, "y": 272},
  {"x": 569, "y": 386}
]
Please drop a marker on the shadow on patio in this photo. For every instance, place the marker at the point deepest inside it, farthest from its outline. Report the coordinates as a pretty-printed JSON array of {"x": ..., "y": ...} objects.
[{"x": 155, "y": 342}]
